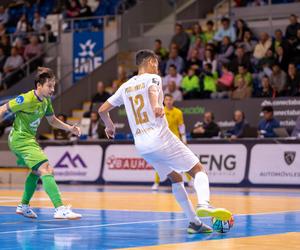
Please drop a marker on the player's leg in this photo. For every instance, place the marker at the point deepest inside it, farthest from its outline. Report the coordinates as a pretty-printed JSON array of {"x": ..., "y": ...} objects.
[
  {"x": 155, "y": 185},
  {"x": 178, "y": 189},
  {"x": 201, "y": 185},
  {"x": 51, "y": 188},
  {"x": 189, "y": 180}
]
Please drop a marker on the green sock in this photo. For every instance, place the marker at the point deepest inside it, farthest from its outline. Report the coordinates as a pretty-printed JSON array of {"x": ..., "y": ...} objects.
[
  {"x": 30, "y": 187},
  {"x": 51, "y": 189}
]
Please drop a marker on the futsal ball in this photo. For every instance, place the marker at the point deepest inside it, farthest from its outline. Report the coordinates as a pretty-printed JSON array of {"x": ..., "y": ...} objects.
[{"x": 222, "y": 226}]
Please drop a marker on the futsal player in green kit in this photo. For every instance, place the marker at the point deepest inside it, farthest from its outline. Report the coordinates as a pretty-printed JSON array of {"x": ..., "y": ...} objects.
[{"x": 29, "y": 109}]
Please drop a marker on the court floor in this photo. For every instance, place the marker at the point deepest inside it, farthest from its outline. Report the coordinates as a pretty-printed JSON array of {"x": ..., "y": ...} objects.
[{"x": 126, "y": 217}]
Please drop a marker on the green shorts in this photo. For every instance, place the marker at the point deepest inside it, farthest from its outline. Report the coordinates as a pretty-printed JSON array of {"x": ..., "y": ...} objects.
[{"x": 27, "y": 151}]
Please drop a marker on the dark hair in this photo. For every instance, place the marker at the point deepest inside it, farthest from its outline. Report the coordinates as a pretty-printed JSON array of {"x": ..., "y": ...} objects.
[
  {"x": 268, "y": 109},
  {"x": 43, "y": 74},
  {"x": 225, "y": 65},
  {"x": 211, "y": 114},
  {"x": 173, "y": 66},
  {"x": 168, "y": 95},
  {"x": 179, "y": 25},
  {"x": 210, "y": 22},
  {"x": 209, "y": 66},
  {"x": 63, "y": 115},
  {"x": 158, "y": 41},
  {"x": 142, "y": 55},
  {"x": 225, "y": 19}
]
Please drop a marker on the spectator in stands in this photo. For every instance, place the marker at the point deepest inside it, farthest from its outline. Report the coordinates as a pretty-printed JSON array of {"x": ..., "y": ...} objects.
[
  {"x": 47, "y": 34},
  {"x": 262, "y": 47},
  {"x": 226, "y": 51},
  {"x": 242, "y": 90},
  {"x": 182, "y": 40},
  {"x": 194, "y": 62},
  {"x": 38, "y": 22},
  {"x": 33, "y": 49},
  {"x": 282, "y": 58},
  {"x": 244, "y": 74},
  {"x": 5, "y": 44},
  {"x": 225, "y": 30},
  {"x": 190, "y": 85},
  {"x": 279, "y": 40},
  {"x": 206, "y": 129},
  {"x": 198, "y": 46},
  {"x": 293, "y": 80},
  {"x": 291, "y": 29},
  {"x": 73, "y": 9},
  {"x": 296, "y": 48},
  {"x": 2, "y": 29},
  {"x": 248, "y": 42},
  {"x": 122, "y": 76},
  {"x": 172, "y": 76},
  {"x": 96, "y": 130},
  {"x": 208, "y": 35},
  {"x": 173, "y": 91},
  {"x": 209, "y": 58},
  {"x": 296, "y": 130},
  {"x": 196, "y": 33},
  {"x": 268, "y": 60},
  {"x": 18, "y": 44},
  {"x": 225, "y": 83},
  {"x": 268, "y": 123},
  {"x": 60, "y": 134},
  {"x": 241, "y": 28},
  {"x": 11, "y": 64},
  {"x": 240, "y": 58},
  {"x": 101, "y": 96},
  {"x": 175, "y": 59},
  {"x": 160, "y": 50},
  {"x": 85, "y": 9},
  {"x": 267, "y": 90},
  {"x": 22, "y": 26},
  {"x": 3, "y": 15},
  {"x": 278, "y": 80},
  {"x": 257, "y": 3},
  {"x": 2, "y": 59},
  {"x": 240, "y": 124},
  {"x": 208, "y": 81}
]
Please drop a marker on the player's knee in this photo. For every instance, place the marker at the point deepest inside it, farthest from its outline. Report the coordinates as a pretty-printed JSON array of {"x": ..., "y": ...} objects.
[
  {"x": 175, "y": 177},
  {"x": 45, "y": 169},
  {"x": 197, "y": 168}
]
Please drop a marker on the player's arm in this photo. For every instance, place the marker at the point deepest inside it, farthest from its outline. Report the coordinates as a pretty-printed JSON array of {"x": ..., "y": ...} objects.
[
  {"x": 181, "y": 128},
  {"x": 153, "y": 92},
  {"x": 104, "y": 115},
  {"x": 3, "y": 109},
  {"x": 56, "y": 123}
]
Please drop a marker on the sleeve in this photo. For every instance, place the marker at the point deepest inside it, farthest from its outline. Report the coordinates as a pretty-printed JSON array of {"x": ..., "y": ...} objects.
[
  {"x": 155, "y": 80},
  {"x": 49, "y": 110},
  {"x": 20, "y": 103},
  {"x": 116, "y": 99},
  {"x": 180, "y": 118}
]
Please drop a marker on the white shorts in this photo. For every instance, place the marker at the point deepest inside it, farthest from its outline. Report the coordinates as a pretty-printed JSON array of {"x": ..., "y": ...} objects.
[{"x": 174, "y": 157}]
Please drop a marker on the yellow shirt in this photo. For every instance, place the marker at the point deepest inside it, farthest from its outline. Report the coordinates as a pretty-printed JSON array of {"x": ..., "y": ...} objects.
[{"x": 175, "y": 119}]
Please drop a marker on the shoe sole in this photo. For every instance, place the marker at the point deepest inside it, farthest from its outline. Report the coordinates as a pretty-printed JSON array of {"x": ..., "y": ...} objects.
[
  {"x": 77, "y": 218},
  {"x": 219, "y": 213},
  {"x": 191, "y": 231},
  {"x": 20, "y": 213}
]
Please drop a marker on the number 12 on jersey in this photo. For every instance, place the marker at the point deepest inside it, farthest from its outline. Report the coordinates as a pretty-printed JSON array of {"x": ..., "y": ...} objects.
[{"x": 137, "y": 104}]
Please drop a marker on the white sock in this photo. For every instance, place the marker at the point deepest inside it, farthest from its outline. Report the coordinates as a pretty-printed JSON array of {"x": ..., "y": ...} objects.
[
  {"x": 201, "y": 185},
  {"x": 184, "y": 202}
]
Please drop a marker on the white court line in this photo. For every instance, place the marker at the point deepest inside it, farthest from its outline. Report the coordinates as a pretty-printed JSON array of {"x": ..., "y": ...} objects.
[
  {"x": 120, "y": 224},
  {"x": 92, "y": 226}
]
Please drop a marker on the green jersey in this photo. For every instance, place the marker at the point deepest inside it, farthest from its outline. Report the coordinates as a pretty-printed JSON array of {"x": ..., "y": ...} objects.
[{"x": 29, "y": 110}]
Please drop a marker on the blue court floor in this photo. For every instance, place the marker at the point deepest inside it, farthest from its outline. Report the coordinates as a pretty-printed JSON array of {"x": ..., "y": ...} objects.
[{"x": 108, "y": 229}]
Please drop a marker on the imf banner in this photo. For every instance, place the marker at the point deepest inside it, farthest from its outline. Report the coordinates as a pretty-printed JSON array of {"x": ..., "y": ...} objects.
[{"x": 87, "y": 53}]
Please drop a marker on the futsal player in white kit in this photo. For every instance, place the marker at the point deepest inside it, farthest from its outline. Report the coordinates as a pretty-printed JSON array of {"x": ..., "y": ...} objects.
[{"x": 142, "y": 96}]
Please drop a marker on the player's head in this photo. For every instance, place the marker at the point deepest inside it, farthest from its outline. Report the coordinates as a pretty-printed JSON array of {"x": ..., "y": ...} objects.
[
  {"x": 168, "y": 101},
  {"x": 147, "y": 61},
  {"x": 45, "y": 81}
]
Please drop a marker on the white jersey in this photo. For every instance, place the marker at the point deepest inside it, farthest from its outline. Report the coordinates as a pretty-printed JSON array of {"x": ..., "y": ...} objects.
[{"x": 150, "y": 133}]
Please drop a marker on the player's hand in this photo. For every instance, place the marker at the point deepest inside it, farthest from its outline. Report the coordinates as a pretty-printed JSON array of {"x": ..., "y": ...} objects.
[
  {"x": 75, "y": 130},
  {"x": 159, "y": 111},
  {"x": 110, "y": 132}
]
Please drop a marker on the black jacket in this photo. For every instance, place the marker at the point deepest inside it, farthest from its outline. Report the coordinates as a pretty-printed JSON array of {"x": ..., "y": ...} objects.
[{"x": 212, "y": 129}]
